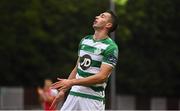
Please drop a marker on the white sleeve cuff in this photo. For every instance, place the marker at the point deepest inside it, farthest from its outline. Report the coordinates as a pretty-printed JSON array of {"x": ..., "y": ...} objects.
[{"x": 108, "y": 64}]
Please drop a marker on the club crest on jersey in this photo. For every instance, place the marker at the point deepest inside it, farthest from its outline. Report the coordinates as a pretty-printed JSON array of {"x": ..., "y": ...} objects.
[
  {"x": 82, "y": 46},
  {"x": 97, "y": 51},
  {"x": 85, "y": 61}
]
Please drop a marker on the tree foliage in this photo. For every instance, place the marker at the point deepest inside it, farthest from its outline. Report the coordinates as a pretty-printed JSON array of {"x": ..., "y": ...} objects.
[
  {"x": 149, "y": 40},
  {"x": 39, "y": 39}
]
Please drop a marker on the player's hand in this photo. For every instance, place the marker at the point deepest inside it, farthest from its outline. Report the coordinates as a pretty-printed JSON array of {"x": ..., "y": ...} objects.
[
  {"x": 40, "y": 91},
  {"x": 62, "y": 84},
  {"x": 57, "y": 85}
]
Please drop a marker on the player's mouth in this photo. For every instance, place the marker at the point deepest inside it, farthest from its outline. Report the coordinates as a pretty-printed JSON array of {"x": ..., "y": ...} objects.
[{"x": 94, "y": 22}]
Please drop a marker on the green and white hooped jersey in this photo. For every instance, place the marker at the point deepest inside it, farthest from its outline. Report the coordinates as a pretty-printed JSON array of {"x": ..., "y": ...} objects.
[{"x": 92, "y": 54}]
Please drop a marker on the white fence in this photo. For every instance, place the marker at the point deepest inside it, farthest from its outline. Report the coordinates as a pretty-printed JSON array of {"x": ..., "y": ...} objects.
[
  {"x": 16, "y": 98},
  {"x": 11, "y": 98}
]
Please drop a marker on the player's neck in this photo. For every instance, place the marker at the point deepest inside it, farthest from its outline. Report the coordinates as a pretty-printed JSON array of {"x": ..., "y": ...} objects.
[{"x": 98, "y": 35}]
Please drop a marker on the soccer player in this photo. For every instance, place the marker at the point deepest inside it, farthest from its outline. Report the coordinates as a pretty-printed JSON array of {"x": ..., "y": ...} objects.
[
  {"x": 98, "y": 55},
  {"x": 46, "y": 94}
]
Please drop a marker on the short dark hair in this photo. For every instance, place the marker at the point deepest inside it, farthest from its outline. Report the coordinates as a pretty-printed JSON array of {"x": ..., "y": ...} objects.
[{"x": 114, "y": 21}]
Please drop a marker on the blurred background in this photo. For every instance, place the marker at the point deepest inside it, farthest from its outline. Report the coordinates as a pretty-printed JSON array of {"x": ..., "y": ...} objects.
[{"x": 39, "y": 39}]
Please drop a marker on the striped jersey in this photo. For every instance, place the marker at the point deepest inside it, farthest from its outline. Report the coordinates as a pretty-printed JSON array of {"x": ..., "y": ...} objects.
[{"x": 92, "y": 53}]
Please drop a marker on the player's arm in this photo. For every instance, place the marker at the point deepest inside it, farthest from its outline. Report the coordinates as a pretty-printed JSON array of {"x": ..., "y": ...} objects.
[
  {"x": 57, "y": 99},
  {"x": 61, "y": 94},
  {"x": 42, "y": 95},
  {"x": 73, "y": 72},
  {"x": 49, "y": 98},
  {"x": 98, "y": 78}
]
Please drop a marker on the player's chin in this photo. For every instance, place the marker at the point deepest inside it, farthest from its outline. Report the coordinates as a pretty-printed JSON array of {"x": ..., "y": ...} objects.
[{"x": 94, "y": 26}]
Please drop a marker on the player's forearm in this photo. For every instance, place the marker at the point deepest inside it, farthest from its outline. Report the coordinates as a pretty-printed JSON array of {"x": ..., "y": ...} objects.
[
  {"x": 43, "y": 97},
  {"x": 73, "y": 73},
  {"x": 95, "y": 79},
  {"x": 49, "y": 98}
]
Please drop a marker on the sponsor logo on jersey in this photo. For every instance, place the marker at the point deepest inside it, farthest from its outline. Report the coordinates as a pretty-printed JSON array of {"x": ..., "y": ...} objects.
[
  {"x": 85, "y": 61},
  {"x": 112, "y": 59}
]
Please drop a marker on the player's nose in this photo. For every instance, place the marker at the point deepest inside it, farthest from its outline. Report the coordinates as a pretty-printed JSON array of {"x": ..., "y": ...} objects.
[{"x": 96, "y": 17}]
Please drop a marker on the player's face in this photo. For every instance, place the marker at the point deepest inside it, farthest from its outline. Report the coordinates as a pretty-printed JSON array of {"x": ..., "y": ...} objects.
[
  {"x": 102, "y": 21},
  {"x": 47, "y": 83}
]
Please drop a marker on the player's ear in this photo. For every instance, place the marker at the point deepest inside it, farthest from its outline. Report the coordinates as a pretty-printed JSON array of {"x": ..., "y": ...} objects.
[{"x": 109, "y": 25}]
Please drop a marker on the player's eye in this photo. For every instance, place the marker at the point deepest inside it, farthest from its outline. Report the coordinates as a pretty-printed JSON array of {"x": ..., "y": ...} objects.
[{"x": 102, "y": 15}]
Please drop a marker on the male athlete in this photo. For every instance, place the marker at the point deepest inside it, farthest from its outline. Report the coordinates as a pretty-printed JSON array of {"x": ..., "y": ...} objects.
[
  {"x": 98, "y": 55},
  {"x": 46, "y": 94}
]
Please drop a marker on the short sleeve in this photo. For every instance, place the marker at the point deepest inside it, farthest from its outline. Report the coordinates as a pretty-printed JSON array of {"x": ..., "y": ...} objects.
[
  {"x": 79, "y": 47},
  {"x": 111, "y": 56}
]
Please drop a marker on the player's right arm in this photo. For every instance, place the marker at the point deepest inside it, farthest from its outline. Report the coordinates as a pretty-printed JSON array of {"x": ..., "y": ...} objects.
[
  {"x": 61, "y": 93},
  {"x": 73, "y": 72}
]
